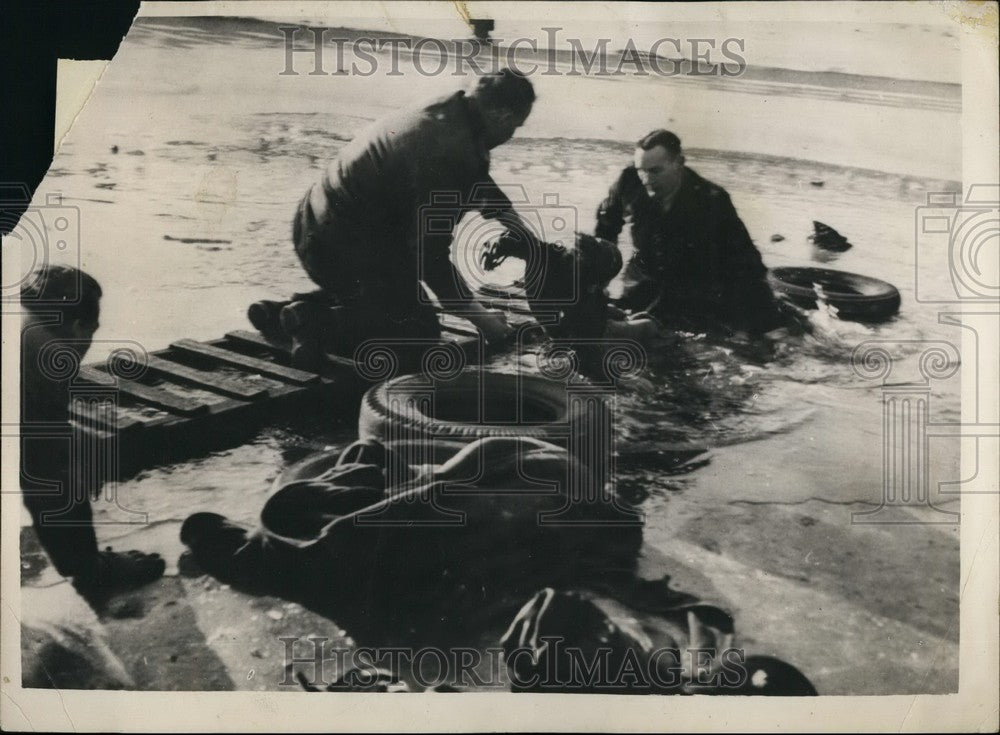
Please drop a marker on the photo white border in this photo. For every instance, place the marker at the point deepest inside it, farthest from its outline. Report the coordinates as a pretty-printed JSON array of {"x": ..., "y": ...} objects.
[{"x": 974, "y": 708}]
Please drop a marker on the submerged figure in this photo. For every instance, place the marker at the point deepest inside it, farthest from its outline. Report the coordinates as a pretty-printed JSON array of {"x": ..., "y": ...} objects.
[
  {"x": 566, "y": 289},
  {"x": 503, "y": 515},
  {"x": 61, "y": 314},
  {"x": 694, "y": 266},
  {"x": 380, "y": 221}
]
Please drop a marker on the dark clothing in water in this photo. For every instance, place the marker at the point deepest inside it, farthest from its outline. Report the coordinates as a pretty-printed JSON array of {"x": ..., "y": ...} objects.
[
  {"x": 472, "y": 524},
  {"x": 381, "y": 218},
  {"x": 57, "y": 499},
  {"x": 694, "y": 264}
]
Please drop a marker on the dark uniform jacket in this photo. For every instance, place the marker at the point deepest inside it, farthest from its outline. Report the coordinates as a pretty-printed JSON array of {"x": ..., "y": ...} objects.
[
  {"x": 388, "y": 204},
  {"x": 55, "y": 481},
  {"x": 694, "y": 264}
]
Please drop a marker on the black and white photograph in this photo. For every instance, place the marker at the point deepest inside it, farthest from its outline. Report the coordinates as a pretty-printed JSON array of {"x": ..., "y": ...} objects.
[{"x": 564, "y": 356}]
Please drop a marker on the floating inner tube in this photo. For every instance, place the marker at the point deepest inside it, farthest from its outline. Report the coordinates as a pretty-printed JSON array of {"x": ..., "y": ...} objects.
[{"x": 856, "y": 297}]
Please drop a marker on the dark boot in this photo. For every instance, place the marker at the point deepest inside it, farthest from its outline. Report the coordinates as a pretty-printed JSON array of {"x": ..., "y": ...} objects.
[
  {"x": 230, "y": 553},
  {"x": 113, "y": 571},
  {"x": 305, "y": 318},
  {"x": 265, "y": 317},
  {"x": 314, "y": 329}
]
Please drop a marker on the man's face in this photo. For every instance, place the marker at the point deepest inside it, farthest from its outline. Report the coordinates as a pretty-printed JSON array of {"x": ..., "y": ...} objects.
[
  {"x": 37, "y": 335},
  {"x": 501, "y": 123},
  {"x": 659, "y": 172}
]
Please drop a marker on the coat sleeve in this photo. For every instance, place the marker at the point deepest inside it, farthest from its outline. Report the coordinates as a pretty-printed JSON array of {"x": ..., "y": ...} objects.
[
  {"x": 456, "y": 180},
  {"x": 434, "y": 239},
  {"x": 487, "y": 196},
  {"x": 444, "y": 279},
  {"x": 745, "y": 274},
  {"x": 611, "y": 212}
]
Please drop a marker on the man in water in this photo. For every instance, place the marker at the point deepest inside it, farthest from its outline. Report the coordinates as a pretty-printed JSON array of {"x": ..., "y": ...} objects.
[
  {"x": 380, "y": 220},
  {"x": 694, "y": 265},
  {"x": 62, "y": 307},
  {"x": 372, "y": 528}
]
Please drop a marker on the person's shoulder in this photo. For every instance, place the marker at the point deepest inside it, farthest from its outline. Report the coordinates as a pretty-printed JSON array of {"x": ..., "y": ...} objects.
[
  {"x": 705, "y": 189},
  {"x": 627, "y": 179},
  {"x": 445, "y": 107},
  {"x": 422, "y": 128},
  {"x": 421, "y": 114}
]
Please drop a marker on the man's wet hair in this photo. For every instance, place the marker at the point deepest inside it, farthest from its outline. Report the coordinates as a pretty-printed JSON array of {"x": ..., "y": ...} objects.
[
  {"x": 506, "y": 88},
  {"x": 64, "y": 289},
  {"x": 663, "y": 138}
]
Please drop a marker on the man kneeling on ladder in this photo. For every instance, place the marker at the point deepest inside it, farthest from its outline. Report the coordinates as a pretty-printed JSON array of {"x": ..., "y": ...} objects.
[{"x": 361, "y": 235}]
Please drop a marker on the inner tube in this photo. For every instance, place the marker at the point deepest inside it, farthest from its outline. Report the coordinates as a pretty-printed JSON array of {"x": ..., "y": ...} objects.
[
  {"x": 855, "y": 297},
  {"x": 439, "y": 417}
]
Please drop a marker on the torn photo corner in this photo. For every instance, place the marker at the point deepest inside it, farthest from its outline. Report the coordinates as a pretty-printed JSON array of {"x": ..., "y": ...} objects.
[{"x": 613, "y": 367}]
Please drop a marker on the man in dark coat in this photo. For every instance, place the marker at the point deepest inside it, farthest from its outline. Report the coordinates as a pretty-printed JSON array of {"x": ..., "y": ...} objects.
[
  {"x": 380, "y": 220},
  {"x": 61, "y": 311},
  {"x": 694, "y": 265}
]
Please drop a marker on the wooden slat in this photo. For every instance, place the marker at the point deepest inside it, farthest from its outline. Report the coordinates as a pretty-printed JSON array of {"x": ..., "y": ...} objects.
[
  {"x": 108, "y": 421},
  {"x": 256, "y": 339},
  {"x": 252, "y": 364},
  {"x": 147, "y": 394},
  {"x": 204, "y": 379}
]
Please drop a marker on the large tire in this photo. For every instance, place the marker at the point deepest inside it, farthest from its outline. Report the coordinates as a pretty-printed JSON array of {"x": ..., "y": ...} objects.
[
  {"x": 856, "y": 297},
  {"x": 446, "y": 415}
]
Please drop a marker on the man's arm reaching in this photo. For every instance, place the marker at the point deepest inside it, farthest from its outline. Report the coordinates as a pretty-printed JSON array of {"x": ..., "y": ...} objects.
[{"x": 455, "y": 295}]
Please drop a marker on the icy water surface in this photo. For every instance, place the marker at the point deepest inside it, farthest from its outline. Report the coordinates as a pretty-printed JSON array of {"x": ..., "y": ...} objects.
[
  {"x": 186, "y": 175},
  {"x": 234, "y": 198},
  {"x": 186, "y": 189}
]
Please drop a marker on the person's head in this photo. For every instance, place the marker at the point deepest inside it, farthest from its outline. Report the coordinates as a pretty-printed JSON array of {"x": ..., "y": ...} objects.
[
  {"x": 660, "y": 163},
  {"x": 504, "y": 99},
  {"x": 61, "y": 303}
]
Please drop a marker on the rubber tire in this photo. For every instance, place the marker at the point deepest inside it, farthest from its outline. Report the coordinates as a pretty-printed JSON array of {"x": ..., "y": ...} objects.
[
  {"x": 548, "y": 398},
  {"x": 856, "y": 297}
]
